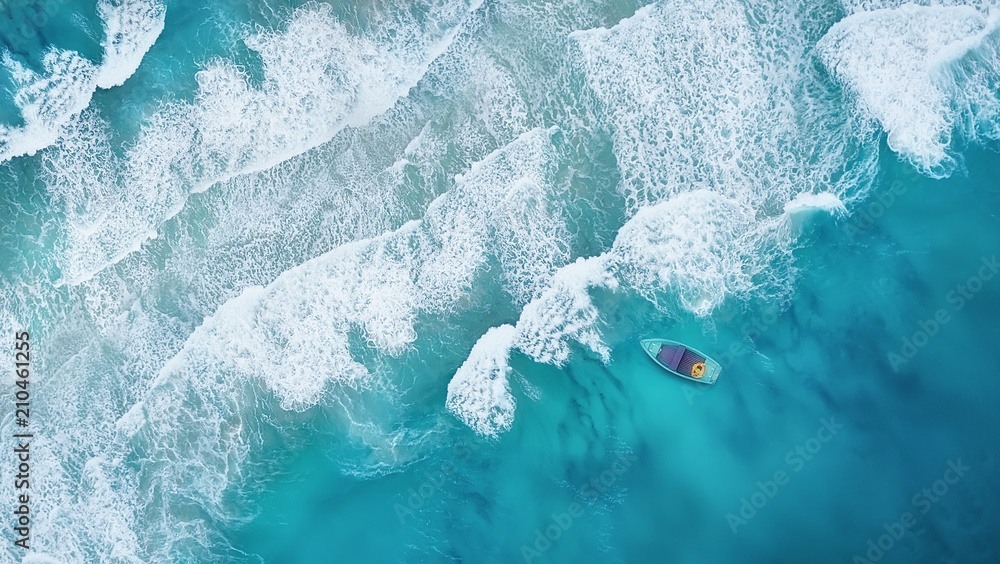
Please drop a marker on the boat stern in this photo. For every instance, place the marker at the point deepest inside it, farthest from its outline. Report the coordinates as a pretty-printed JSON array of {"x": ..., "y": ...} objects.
[{"x": 712, "y": 371}]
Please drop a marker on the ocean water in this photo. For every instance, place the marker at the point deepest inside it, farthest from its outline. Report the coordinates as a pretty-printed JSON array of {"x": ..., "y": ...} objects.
[{"x": 365, "y": 281}]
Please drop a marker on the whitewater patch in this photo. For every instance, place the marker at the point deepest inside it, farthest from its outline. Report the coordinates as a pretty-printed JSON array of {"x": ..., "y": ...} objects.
[
  {"x": 48, "y": 101},
  {"x": 684, "y": 254},
  {"x": 855, "y": 6},
  {"x": 479, "y": 394},
  {"x": 698, "y": 97},
  {"x": 894, "y": 62},
  {"x": 565, "y": 312},
  {"x": 822, "y": 201},
  {"x": 247, "y": 232},
  {"x": 687, "y": 254},
  {"x": 318, "y": 78},
  {"x": 130, "y": 29}
]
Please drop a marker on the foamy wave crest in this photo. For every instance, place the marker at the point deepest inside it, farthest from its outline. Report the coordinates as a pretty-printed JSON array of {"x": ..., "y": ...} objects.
[
  {"x": 893, "y": 60},
  {"x": 243, "y": 233},
  {"x": 83, "y": 502},
  {"x": 318, "y": 78},
  {"x": 854, "y": 6},
  {"x": 48, "y": 101},
  {"x": 130, "y": 29},
  {"x": 565, "y": 312},
  {"x": 102, "y": 504},
  {"x": 479, "y": 394},
  {"x": 698, "y": 247},
  {"x": 193, "y": 431},
  {"x": 377, "y": 286},
  {"x": 823, "y": 201}
]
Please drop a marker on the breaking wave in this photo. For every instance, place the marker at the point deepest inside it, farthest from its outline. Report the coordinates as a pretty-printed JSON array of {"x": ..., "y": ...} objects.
[
  {"x": 49, "y": 100},
  {"x": 896, "y": 61}
]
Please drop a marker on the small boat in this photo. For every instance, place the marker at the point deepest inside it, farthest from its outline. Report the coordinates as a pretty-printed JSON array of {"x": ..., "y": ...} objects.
[{"x": 682, "y": 360}]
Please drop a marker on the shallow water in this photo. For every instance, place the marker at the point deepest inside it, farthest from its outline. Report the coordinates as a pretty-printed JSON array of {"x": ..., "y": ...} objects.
[{"x": 363, "y": 282}]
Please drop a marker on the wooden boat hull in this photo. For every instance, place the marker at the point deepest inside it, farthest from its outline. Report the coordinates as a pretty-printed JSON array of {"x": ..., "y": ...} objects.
[{"x": 682, "y": 360}]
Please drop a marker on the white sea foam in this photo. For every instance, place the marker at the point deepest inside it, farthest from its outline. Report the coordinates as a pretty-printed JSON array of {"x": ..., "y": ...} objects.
[
  {"x": 46, "y": 101},
  {"x": 892, "y": 61},
  {"x": 318, "y": 78},
  {"x": 697, "y": 97},
  {"x": 107, "y": 508},
  {"x": 489, "y": 91},
  {"x": 264, "y": 223},
  {"x": 193, "y": 429},
  {"x": 190, "y": 427},
  {"x": 39, "y": 558},
  {"x": 130, "y": 29},
  {"x": 565, "y": 312},
  {"x": 49, "y": 100},
  {"x": 248, "y": 231},
  {"x": 479, "y": 394},
  {"x": 83, "y": 505},
  {"x": 976, "y": 80},
  {"x": 855, "y": 6},
  {"x": 822, "y": 201},
  {"x": 698, "y": 247}
]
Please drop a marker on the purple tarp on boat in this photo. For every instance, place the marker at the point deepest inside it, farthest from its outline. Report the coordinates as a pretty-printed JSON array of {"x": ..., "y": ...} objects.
[{"x": 670, "y": 356}]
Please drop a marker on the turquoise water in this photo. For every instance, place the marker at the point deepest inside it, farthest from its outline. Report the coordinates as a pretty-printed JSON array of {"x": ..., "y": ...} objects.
[{"x": 364, "y": 282}]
